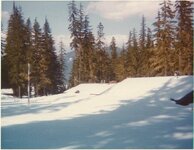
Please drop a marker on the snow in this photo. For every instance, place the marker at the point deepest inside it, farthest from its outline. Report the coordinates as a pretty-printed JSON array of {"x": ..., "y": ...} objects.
[{"x": 134, "y": 113}]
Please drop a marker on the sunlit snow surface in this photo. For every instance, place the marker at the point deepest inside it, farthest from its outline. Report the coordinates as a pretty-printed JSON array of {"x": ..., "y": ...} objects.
[{"x": 134, "y": 113}]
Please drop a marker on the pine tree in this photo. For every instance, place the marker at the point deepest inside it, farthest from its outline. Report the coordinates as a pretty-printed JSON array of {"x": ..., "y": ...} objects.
[
  {"x": 16, "y": 52},
  {"x": 28, "y": 40},
  {"x": 128, "y": 55},
  {"x": 101, "y": 56},
  {"x": 164, "y": 52},
  {"x": 142, "y": 49},
  {"x": 167, "y": 16},
  {"x": 121, "y": 66},
  {"x": 149, "y": 53},
  {"x": 100, "y": 37},
  {"x": 76, "y": 27},
  {"x": 46, "y": 62},
  {"x": 61, "y": 59},
  {"x": 184, "y": 44},
  {"x": 142, "y": 36},
  {"x": 36, "y": 57},
  {"x": 88, "y": 52},
  {"x": 155, "y": 62},
  {"x": 113, "y": 49},
  {"x": 157, "y": 30},
  {"x": 80, "y": 23},
  {"x": 73, "y": 81},
  {"x": 135, "y": 56}
]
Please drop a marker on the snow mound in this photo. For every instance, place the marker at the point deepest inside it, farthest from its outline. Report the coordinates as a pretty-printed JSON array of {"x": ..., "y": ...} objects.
[
  {"x": 89, "y": 89},
  {"x": 134, "y": 113}
]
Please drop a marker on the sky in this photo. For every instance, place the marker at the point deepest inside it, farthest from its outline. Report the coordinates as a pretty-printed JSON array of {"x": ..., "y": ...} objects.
[{"x": 117, "y": 17}]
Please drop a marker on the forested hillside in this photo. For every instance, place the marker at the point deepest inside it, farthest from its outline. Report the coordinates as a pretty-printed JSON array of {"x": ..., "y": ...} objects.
[
  {"x": 33, "y": 45},
  {"x": 159, "y": 50}
]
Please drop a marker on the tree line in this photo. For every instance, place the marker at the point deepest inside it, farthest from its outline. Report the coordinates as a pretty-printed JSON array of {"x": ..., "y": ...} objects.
[
  {"x": 26, "y": 44},
  {"x": 153, "y": 52},
  {"x": 159, "y": 52}
]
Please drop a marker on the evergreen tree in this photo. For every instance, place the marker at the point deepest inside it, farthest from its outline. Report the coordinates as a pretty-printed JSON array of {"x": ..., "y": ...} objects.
[
  {"x": 73, "y": 81},
  {"x": 165, "y": 64},
  {"x": 61, "y": 59},
  {"x": 28, "y": 44},
  {"x": 149, "y": 39},
  {"x": 48, "y": 62},
  {"x": 101, "y": 56},
  {"x": 28, "y": 40},
  {"x": 128, "y": 55},
  {"x": 142, "y": 36},
  {"x": 121, "y": 66},
  {"x": 16, "y": 52},
  {"x": 100, "y": 37},
  {"x": 113, "y": 49},
  {"x": 184, "y": 44},
  {"x": 80, "y": 23},
  {"x": 157, "y": 30},
  {"x": 36, "y": 57},
  {"x": 148, "y": 53},
  {"x": 135, "y": 56},
  {"x": 155, "y": 62},
  {"x": 76, "y": 27},
  {"x": 142, "y": 49},
  {"x": 88, "y": 52}
]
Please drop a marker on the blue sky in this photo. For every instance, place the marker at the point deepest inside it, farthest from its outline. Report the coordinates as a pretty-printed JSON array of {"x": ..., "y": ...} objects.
[{"x": 118, "y": 17}]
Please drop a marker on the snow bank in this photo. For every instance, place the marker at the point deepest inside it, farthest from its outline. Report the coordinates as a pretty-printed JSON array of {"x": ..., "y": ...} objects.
[{"x": 135, "y": 113}]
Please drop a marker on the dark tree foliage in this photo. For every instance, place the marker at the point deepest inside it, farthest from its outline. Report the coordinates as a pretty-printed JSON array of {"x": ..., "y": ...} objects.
[
  {"x": 36, "y": 57},
  {"x": 30, "y": 45},
  {"x": 16, "y": 53},
  {"x": 167, "y": 50},
  {"x": 101, "y": 58},
  {"x": 88, "y": 46},
  {"x": 148, "y": 53},
  {"x": 128, "y": 55},
  {"x": 122, "y": 66},
  {"x": 62, "y": 68},
  {"x": 51, "y": 73},
  {"x": 76, "y": 30},
  {"x": 83, "y": 42},
  {"x": 164, "y": 63},
  {"x": 114, "y": 56},
  {"x": 142, "y": 36},
  {"x": 157, "y": 54},
  {"x": 142, "y": 49},
  {"x": 74, "y": 25},
  {"x": 184, "y": 35},
  {"x": 135, "y": 56}
]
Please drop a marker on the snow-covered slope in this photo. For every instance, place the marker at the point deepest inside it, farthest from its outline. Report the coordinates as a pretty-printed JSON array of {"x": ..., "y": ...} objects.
[{"x": 135, "y": 113}]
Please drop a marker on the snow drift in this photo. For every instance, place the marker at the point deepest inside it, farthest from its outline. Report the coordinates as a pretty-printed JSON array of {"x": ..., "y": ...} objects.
[{"x": 135, "y": 113}]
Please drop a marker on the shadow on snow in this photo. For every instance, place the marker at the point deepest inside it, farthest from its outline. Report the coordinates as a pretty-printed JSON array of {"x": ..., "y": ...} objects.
[{"x": 151, "y": 122}]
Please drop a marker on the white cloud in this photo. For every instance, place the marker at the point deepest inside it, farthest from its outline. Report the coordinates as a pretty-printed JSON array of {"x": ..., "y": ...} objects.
[{"x": 115, "y": 10}]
